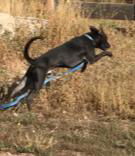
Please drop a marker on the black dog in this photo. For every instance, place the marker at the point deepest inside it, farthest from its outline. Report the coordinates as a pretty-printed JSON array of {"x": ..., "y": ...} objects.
[{"x": 77, "y": 50}]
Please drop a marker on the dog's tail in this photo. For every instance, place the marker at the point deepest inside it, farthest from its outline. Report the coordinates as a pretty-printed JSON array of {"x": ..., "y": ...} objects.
[{"x": 27, "y": 47}]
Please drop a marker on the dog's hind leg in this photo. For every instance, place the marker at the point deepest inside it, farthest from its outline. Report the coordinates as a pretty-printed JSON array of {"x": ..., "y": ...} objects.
[
  {"x": 19, "y": 87},
  {"x": 29, "y": 99},
  {"x": 37, "y": 84}
]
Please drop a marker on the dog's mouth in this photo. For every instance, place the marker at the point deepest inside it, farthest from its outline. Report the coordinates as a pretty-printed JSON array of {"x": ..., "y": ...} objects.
[{"x": 105, "y": 47}]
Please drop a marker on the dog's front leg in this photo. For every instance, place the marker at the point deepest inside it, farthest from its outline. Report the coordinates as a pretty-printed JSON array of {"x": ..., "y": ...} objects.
[
  {"x": 85, "y": 65},
  {"x": 90, "y": 56},
  {"x": 102, "y": 54}
]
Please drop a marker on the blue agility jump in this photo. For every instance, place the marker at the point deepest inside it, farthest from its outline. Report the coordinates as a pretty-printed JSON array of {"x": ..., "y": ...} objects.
[{"x": 16, "y": 101}]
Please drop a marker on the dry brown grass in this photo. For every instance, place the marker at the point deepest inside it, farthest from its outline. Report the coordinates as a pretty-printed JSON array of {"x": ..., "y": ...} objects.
[
  {"x": 111, "y": 1},
  {"x": 106, "y": 87},
  {"x": 78, "y": 114},
  {"x": 34, "y": 7},
  {"x": 23, "y": 7}
]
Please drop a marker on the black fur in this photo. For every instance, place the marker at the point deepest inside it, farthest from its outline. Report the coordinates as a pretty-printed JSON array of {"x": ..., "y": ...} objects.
[{"x": 66, "y": 55}]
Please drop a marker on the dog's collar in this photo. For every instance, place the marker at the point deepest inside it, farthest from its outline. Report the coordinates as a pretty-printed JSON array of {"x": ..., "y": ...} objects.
[{"x": 89, "y": 37}]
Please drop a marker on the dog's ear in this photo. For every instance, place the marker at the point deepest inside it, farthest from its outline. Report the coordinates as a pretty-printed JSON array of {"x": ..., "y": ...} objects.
[
  {"x": 94, "y": 30},
  {"x": 101, "y": 29}
]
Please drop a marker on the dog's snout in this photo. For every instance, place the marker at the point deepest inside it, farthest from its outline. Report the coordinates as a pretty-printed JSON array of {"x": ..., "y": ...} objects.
[{"x": 105, "y": 46}]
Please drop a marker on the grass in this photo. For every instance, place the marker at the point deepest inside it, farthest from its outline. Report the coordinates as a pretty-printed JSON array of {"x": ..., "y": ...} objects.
[
  {"x": 59, "y": 136},
  {"x": 34, "y": 7},
  {"x": 111, "y": 1},
  {"x": 90, "y": 114}
]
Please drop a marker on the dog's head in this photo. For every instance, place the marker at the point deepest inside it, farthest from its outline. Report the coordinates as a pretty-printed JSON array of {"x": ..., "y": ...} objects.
[{"x": 100, "y": 38}]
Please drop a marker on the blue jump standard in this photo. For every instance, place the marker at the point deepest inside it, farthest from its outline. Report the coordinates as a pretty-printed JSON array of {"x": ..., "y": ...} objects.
[{"x": 16, "y": 101}]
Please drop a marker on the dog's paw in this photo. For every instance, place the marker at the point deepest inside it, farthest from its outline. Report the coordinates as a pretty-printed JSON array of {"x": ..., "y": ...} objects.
[{"x": 109, "y": 54}]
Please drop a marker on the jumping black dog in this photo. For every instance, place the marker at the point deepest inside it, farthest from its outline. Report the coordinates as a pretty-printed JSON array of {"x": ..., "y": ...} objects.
[{"x": 68, "y": 55}]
